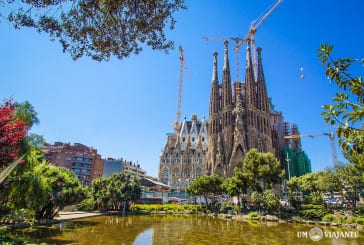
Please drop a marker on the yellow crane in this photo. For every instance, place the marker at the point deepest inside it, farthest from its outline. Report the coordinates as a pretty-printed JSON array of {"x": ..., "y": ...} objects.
[
  {"x": 254, "y": 25},
  {"x": 236, "y": 40},
  {"x": 331, "y": 137}
]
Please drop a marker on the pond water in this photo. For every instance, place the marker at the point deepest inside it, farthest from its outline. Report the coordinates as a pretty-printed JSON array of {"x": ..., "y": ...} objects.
[{"x": 184, "y": 229}]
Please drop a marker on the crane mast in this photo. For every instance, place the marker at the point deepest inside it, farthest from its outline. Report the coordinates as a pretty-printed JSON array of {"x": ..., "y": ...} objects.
[{"x": 183, "y": 66}]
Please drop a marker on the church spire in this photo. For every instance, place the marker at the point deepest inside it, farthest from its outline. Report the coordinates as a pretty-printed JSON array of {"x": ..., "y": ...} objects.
[
  {"x": 214, "y": 70},
  {"x": 262, "y": 96},
  {"x": 226, "y": 84},
  {"x": 214, "y": 99},
  {"x": 249, "y": 77}
]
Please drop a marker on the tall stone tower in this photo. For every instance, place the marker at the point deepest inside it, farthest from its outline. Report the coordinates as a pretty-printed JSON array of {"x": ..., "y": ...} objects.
[{"x": 239, "y": 121}]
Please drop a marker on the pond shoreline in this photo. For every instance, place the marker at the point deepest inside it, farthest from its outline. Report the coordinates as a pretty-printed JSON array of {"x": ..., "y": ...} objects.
[
  {"x": 70, "y": 215},
  {"x": 64, "y": 216}
]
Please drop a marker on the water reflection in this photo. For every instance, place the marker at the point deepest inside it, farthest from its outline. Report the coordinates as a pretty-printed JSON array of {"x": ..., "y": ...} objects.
[
  {"x": 179, "y": 229},
  {"x": 144, "y": 238}
]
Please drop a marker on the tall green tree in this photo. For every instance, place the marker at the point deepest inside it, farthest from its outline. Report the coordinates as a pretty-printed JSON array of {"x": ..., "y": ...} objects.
[
  {"x": 41, "y": 187},
  {"x": 207, "y": 186},
  {"x": 116, "y": 192},
  {"x": 98, "y": 29},
  {"x": 262, "y": 169},
  {"x": 236, "y": 185},
  {"x": 346, "y": 111},
  {"x": 352, "y": 180},
  {"x": 62, "y": 187}
]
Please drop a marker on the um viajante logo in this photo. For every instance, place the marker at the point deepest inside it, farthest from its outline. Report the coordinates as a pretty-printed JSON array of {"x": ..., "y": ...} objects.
[{"x": 316, "y": 234}]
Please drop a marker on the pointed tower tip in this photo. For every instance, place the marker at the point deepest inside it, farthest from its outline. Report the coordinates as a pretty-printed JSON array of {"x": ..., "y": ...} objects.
[
  {"x": 226, "y": 55},
  {"x": 214, "y": 71}
]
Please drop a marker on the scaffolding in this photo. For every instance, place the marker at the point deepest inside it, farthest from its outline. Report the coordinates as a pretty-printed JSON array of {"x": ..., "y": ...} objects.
[{"x": 297, "y": 162}]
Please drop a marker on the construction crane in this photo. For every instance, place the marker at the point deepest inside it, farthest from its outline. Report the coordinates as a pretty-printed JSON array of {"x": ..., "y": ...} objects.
[
  {"x": 236, "y": 40},
  {"x": 183, "y": 66},
  {"x": 332, "y": 142},
  {"x": 254, "y": 25}
]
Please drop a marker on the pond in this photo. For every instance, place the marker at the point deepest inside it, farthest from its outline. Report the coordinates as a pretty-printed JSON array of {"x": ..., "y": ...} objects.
[{"x": 184, "y": 229}]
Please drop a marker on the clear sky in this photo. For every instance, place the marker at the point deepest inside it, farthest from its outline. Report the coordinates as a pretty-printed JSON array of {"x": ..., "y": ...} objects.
[{"x": 125, "y": 108}]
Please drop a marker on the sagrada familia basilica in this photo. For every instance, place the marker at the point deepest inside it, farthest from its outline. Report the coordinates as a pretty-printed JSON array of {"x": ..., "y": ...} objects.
[{"x": 241, "y": 117}]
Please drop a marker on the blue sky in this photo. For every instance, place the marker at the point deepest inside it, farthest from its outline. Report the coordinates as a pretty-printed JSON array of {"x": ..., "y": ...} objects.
[{"x": 125, "y": 108}]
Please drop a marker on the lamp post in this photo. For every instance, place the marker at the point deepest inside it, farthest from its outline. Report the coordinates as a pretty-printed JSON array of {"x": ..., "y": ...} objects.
[{"x": 288, "y": 160}]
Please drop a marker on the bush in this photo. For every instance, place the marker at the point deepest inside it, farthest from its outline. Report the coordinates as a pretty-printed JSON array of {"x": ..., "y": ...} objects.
[
  {"x": 253, "y": 216},
  {"x": 340, "y": 219},
  {"x": 359, "y": 220},
  {"x": 328, "y": 218},
  {"x": 87, "y": 205},
  {"x": 169, "y": 208},
  {"x": 312, "y": 211},
  {"x": 297, "y": 219}
]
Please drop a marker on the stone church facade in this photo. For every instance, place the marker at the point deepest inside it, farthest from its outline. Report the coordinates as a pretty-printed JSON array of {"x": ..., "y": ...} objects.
[{"x": 241, "y": 117}]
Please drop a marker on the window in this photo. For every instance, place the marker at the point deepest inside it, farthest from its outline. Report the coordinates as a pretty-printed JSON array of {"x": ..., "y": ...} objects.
[{"x": 193, "y": 139}]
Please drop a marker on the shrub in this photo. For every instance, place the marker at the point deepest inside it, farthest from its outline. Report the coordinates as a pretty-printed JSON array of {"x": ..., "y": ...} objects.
[
  {"x": 87, "y": 205},
  {"x": 297, "y": 219},
  {"x": 359, "y": 220},
  {"x": 253, "y": 216},
  {"x": 169, "y": 208},
  {"x": 340, "y": 219},
  {"x": 328, "y": 218},
  {"x": 312, "y": 211}
]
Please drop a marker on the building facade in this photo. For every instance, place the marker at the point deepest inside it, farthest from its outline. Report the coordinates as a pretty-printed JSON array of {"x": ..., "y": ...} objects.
[
  {"x": 83, "y": 160},
  {"x": 183, "y": 157},
  {"x": 239, "y": 117},
  {"x": 112, "y": 166}
]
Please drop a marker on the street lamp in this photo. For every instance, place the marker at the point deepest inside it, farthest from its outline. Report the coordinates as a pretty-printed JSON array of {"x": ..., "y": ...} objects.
[{"x": 288, "y": 160}]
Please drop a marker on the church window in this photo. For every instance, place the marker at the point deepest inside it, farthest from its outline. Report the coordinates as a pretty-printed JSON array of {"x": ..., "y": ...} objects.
[
  {"x": 193, "y": 139},
  {"x": 203, "y": 139},
  {"x": 183, "y": 139}
]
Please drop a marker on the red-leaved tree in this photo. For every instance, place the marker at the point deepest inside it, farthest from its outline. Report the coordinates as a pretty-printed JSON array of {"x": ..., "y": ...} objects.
[{"x": 12, "y": 131}]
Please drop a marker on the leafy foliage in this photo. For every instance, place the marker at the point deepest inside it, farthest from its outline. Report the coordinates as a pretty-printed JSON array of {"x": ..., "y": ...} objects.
[
  {"x": 313, "y": 211},
  {"x": 262, "y": 168},
  {"x": 347, "y": 107},
  {"x": 236, "y": 185},
  {"x": 253, "y": 216},
  {"x": 206, "y": 186},
  {"x": 352, "y": 179},
  {"x": 99, "y": 28},
  {"x": 169, "y": 208},
  {"x": 12, "y": 131},
  {"x": 115, "y": 192}
]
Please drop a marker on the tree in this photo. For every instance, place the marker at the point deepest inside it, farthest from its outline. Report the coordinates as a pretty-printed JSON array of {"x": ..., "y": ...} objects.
[
  {"x": 98, "y": 29},
  {"x": 123, "y": 189},
  {"x": 40, "y": 187},
  {"x": 352, "y": 180},
  {"x": 262, "y": 169},
  {"x": 116, "y": 192},
  {"x": 271, "y": 201},
  {"x": 207, "y": 186},
  {"x": 313, "y": 185},
  {"x": 232, "y": 187},
  {"x": 294, "y": 189},
  {"x": 62, "y": 188},
  {"x": 12, "y": 131},
  {"x": 346, "y": 110}
]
